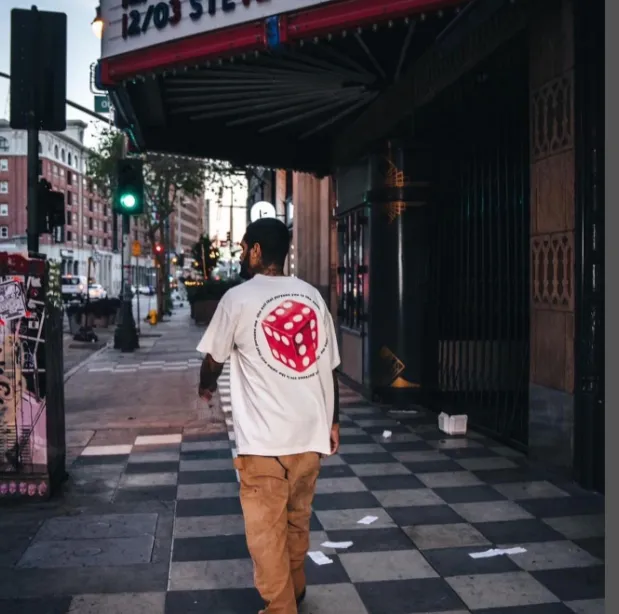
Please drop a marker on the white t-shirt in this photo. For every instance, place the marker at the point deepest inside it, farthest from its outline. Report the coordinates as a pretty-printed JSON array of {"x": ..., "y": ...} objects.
[{"x": 281, "y": 342}]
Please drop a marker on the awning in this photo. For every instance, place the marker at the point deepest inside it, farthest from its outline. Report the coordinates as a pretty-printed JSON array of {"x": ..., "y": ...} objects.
[{"x": 274, "y": 92}]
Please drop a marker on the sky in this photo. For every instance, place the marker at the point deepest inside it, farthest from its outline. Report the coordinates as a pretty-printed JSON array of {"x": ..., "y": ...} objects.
[{"x": 83, "y": 48}]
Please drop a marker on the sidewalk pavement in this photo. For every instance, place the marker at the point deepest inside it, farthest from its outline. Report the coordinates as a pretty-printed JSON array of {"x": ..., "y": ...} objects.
[
  {"x": 76, "y": 352},
  {"x": 150, "y": 521}
]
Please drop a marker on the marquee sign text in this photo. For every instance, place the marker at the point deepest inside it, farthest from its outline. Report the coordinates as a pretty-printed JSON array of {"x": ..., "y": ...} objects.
[{"x": 166, "y": 13}]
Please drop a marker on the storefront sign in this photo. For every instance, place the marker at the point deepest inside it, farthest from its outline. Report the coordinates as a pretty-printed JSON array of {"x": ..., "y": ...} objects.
[
  {"x": 261, "y": 209},
  {"x": 135, "y": 24}
]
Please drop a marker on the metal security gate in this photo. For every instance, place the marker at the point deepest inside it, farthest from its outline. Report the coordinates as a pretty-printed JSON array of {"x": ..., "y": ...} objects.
[
  {"x": 479, "y": 264},
  {"x": 589, "y": 408}
]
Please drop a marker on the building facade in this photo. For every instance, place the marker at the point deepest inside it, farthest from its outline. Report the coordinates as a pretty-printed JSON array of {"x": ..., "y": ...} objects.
[
  {"x": 448, "y": 184},
  {"x": 88, "y": 230}
]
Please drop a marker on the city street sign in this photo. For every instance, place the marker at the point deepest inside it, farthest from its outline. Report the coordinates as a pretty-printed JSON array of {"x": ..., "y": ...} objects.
[
  {"x": 102, "y": 104},
  {"x": 136, "y": 249},
  {"x": 261, "y": 209}
]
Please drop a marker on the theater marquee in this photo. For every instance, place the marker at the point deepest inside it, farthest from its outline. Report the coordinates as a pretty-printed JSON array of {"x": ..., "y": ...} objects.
[{"x": 131, "y": 25}]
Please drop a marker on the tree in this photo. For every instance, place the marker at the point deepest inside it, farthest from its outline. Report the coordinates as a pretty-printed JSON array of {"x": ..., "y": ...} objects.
[
  {"x": 167, "y": 178},
  {"x": 205, "y": 255}
]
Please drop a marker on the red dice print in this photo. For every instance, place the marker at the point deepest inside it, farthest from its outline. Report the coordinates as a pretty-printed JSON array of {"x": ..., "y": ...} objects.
[{"x": 292, "y": 334}]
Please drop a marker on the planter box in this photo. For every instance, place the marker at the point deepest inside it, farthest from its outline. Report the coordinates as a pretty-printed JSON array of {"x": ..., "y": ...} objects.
[
  {"x": 102, "y": 322},
  {"x": 202, "y": 311}
]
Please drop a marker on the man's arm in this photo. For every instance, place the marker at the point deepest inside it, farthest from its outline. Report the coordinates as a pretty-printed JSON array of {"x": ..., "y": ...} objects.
[{"x": 209, "y": 373}]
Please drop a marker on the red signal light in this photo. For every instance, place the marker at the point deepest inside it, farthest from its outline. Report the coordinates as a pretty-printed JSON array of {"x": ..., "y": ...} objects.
[{"x": 158, "y": 248}]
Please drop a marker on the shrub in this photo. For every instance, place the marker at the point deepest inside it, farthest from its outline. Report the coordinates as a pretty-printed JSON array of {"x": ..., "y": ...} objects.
[{"x": 207, "y": 290}]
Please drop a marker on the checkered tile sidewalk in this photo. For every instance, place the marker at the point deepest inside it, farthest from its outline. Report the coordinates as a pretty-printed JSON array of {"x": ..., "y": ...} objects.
[{"x": 437, "y": 499}]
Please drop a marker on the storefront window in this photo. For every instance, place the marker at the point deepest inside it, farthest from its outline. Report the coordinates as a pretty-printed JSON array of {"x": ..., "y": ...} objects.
[{"x": 352, "y": 271}]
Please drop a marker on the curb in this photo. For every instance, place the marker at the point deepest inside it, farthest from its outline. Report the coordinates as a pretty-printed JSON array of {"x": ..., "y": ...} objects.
[{"x": 71, "y": 372}]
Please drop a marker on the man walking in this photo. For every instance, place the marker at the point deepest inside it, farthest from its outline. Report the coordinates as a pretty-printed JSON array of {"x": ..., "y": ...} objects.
[{"x": 279, "y": 336}]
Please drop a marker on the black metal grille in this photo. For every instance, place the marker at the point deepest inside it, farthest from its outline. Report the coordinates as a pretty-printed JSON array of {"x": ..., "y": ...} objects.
[
  {"x": 480, "y": 260},
  {"x": 352, "y": 272}
]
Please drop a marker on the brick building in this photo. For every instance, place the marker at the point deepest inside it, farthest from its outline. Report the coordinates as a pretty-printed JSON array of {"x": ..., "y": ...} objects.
[
  {"x": 89, "y": 227},
  {"x": 89, "y": 224}
]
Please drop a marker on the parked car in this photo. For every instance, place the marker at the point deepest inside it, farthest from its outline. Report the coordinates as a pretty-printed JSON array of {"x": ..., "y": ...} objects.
[
  {"x": 96, "y": 291},
  {"x": 73, "y": 288},
  {"x": 146, "y": 290}
]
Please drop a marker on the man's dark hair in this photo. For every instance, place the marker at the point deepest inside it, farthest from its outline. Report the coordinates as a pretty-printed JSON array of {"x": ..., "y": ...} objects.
[{"x": 273, "y": 237}]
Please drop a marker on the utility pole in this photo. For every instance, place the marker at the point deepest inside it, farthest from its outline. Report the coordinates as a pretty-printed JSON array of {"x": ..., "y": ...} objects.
[
  {"x": 38, "y": 93},
  {"x": 128, "y": 201},
  {"x": 33, "y": 145}
]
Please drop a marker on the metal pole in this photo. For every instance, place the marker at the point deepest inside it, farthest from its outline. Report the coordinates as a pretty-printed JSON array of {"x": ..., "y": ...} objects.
[
  {"x": 129, "y": 333},
  {"x": 179, "y": 245},
  {"x": 137, "y": 286},
  {"x": 33, "y": 149},
  {"x": 126, "y": 334},
  {"x": 231, "y": 219},
  {"x": 231, "y": 229}
]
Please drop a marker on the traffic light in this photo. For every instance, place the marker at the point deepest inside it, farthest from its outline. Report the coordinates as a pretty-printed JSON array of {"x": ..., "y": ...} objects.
[
  {"x": 228, "y": 236},
  {"x": 129, "y": 197},
  {"x": 38, "y": 69},
  {"x": 50, "y": 208},
  {"x": 158, "y": 249}
]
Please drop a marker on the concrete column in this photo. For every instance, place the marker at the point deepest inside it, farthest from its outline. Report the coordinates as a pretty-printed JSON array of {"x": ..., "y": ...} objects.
[{"x": 400, "y": 212}]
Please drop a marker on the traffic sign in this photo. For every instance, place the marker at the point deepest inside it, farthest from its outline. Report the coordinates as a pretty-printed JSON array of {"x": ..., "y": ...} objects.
[
  {"x": 102, "y": 104},
  {"x": 136, "y": 249}
]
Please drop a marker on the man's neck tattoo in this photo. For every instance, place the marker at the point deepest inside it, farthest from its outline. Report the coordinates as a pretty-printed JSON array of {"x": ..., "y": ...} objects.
[{"x": 273, "y": 271}]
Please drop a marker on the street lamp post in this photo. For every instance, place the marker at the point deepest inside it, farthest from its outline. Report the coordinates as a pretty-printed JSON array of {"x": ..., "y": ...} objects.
[
  {"x": 126, "y": 334},
  {"x": 97, "y": 24}
]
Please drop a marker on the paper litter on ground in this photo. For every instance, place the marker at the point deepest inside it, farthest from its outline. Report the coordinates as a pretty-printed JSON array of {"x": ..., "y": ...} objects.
[
  {"x": 368, "y": 520},
  {"x": 320, "y": 558},
  {"x": 496, "y": 552},
  {"x": 336, "y": 545},
  {"x": 387, "y": 434}
]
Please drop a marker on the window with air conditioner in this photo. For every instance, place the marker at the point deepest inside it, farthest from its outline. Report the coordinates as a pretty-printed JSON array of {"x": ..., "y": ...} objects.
[
  {"x": 4, "y": 164},
  {"x": 4, "y": 210},
  {"x": 4, "y": 187}
]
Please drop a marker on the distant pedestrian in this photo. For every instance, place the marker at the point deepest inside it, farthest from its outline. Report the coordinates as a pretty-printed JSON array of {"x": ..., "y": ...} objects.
[{"x": 279, "y": 336}]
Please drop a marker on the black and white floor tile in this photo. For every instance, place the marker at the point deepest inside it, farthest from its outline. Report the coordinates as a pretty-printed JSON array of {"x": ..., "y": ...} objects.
[{"x": 436, "y": 500}]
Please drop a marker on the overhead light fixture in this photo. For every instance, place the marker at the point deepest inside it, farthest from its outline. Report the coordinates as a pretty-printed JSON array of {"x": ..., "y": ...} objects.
[{"x": 97, "y": 24}]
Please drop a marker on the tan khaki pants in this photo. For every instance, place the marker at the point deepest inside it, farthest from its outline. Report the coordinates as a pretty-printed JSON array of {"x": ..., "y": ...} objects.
[{"x": 276, "y": 496}]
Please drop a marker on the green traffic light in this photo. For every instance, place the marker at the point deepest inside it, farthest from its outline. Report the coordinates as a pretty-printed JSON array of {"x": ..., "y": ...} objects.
[{"x": 128, "y": 201}]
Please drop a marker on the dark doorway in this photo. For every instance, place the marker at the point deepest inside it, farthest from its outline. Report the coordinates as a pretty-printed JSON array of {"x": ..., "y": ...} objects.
[{"x": 479, "y": 268}]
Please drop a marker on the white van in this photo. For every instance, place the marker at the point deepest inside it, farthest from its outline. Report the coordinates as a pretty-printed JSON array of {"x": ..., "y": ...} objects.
[{"x": 74, "y": 288}]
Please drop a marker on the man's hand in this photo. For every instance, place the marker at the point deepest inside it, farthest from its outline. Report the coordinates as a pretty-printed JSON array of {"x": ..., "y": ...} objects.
[
  {"x": 205, "y": 393},
  {"x": 209, "y": 372},
  {"x": 335, "y": 438}
]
